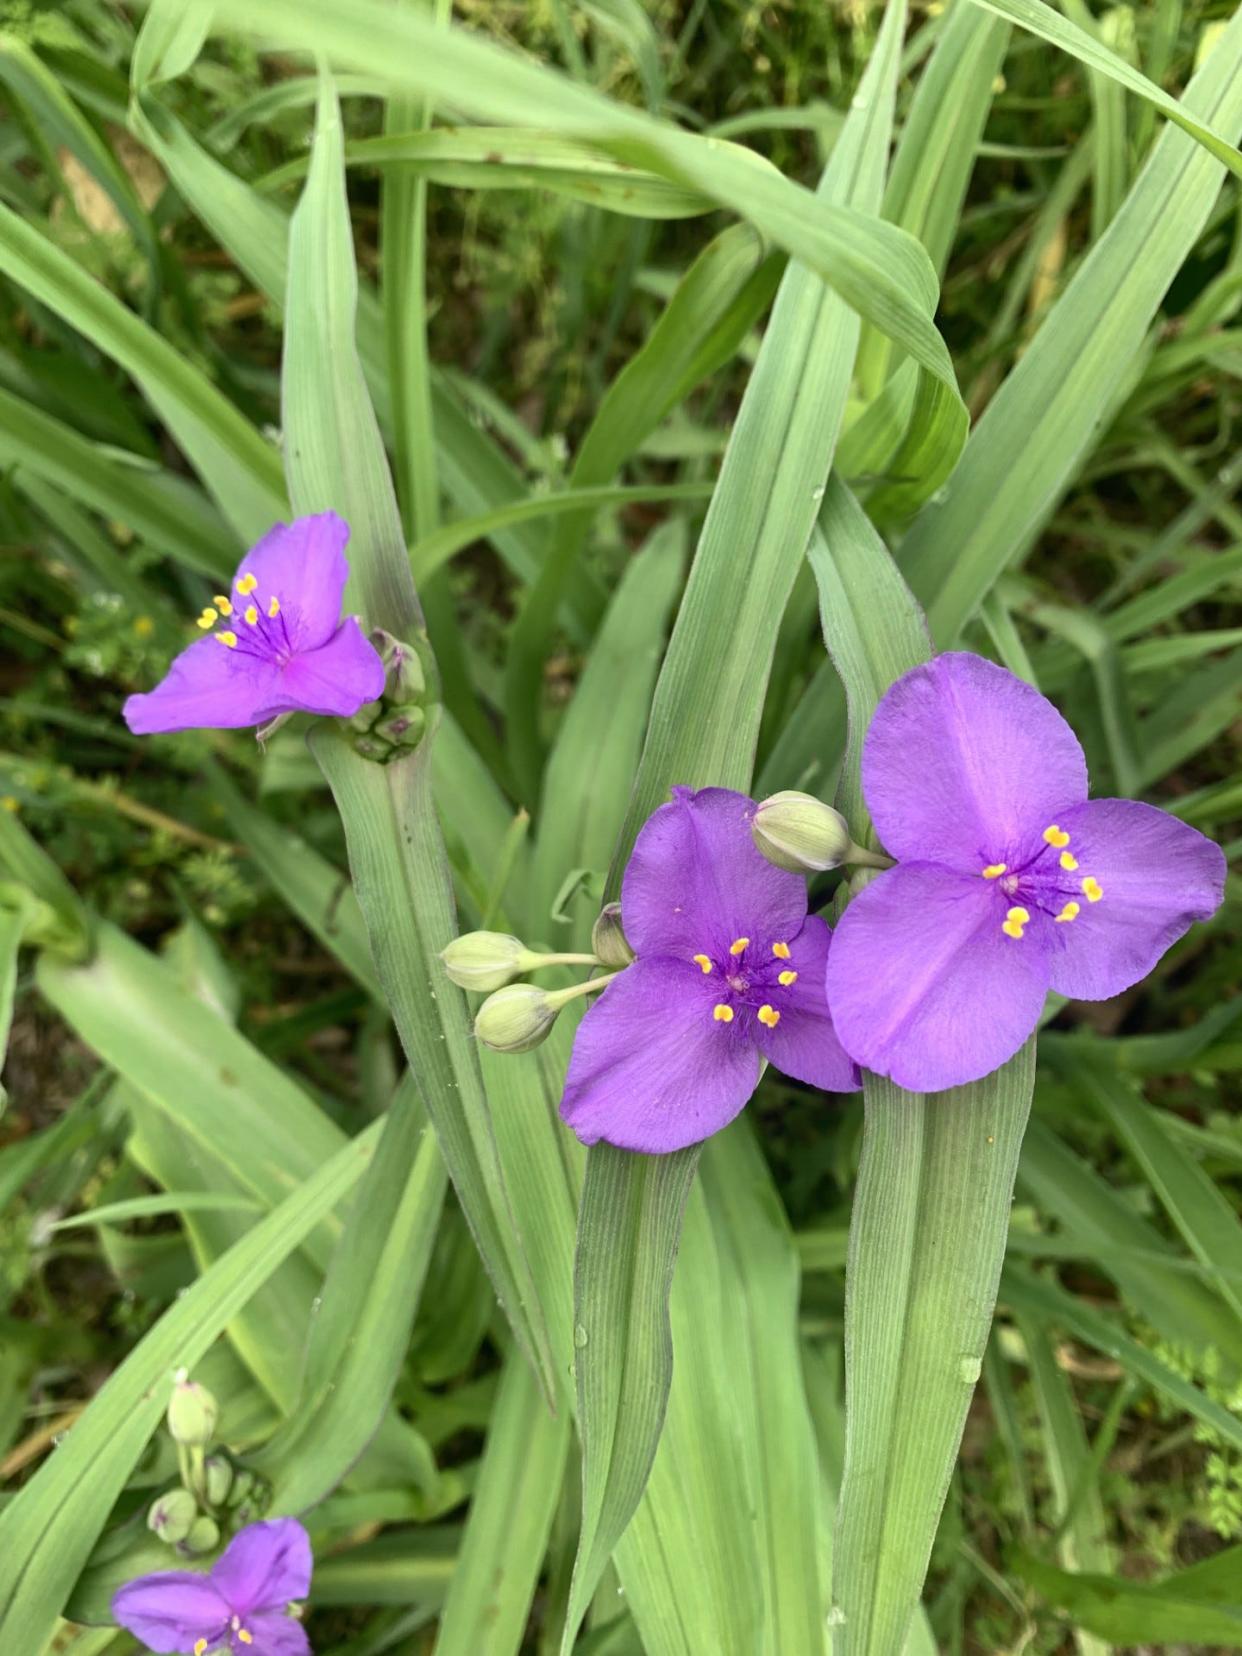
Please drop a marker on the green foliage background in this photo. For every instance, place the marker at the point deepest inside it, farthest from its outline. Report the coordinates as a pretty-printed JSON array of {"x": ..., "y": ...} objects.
[{"x": 572, "y": 286}]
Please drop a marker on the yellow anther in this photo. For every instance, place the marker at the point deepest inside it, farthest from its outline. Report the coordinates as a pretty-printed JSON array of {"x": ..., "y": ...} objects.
[
  {"x": 1014, "y": 921},
  {"x": 769, "y": 1016},
  {"x": 738, "y": 945},
  {"x": 251, "y": 617},
  {"x": 1071, "y": 911},
  {"x": 223, "y": 604},
  {"x": 786, "y": 978},
  {"x": 1092, "y": 889},
  {"x": 994, "y": 871},
  {"x": 781, "y": 950},
  {"x": 244, "y": 1636},
  {"x": 273, "y": 607},
  {"x": 1068, "y": 861},
  {"x": 722, "y": 1012},
  {"x": 228, "y": 639},
  {"x": 703, "y": 962},
  {"x": 1056, "y": 836},
  {"x": 200, "y": 1645},
  {"x": 246, "y": 584},
  {"x": 206, "y": 619}
]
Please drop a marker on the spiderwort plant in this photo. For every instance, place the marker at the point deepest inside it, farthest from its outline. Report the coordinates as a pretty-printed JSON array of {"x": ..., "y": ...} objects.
[
  {"x": 1009, "y": 880},
  {"x": 729, "y": 972},
  {"x": 242, "y": 1607},
  {"x": 275, "y": 643}
]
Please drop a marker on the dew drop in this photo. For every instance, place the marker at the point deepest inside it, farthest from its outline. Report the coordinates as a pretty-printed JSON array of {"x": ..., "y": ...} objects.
[
  {"x": 969, "y": 1370},
  {"x": 580, "y": 1336}
]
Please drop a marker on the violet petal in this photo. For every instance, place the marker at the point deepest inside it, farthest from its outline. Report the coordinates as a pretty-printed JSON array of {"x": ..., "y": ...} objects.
[
  {"x": 302, "y": 565},
  {"x": 963, "y": 762},
  {"x": 207, "y": 687},
  {"x": 265, "y": 1566},
  {"x": 804, "y": 1043},
  {"x": 1157, "y": 875},
  {"x": 925, "y": 986},
  {"x": 695, "y": 882},
  {"x": 652, "y": 1069},
  {"x": 172, "y": 1610},
  {"x": 336, "y": 679}
]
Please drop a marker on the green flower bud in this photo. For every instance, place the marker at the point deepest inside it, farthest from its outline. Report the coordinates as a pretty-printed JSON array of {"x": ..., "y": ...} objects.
[
  {"x": 404, "y": 728},
  {"x": 608, "y": 940},
  {"x": 800, "y": 833},
  {"x": 217, "y": 1480},
  {"x": 172, "y": 1517},
  {"x": 192, "y": 1413},
  {"x": 517, "y": 1018},
  {"x": 487, "y": 960},
  {"x": 203, "y": 1537},
  {"x": 249, "y": 1492}
]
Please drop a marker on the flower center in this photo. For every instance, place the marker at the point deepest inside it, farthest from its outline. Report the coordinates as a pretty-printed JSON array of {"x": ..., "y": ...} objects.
[
  {"x": 1042, "y": 884},
  {"x": 258, "y": 626},
  {"x": 240, "y": 1634},
  {"x": 754, "y": 985}
]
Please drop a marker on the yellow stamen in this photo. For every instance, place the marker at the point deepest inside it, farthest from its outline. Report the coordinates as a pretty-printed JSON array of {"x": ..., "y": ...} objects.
[
  {"x": 246, "y": 584},
  {"x": 1056, "y": 836},
  {"x": 769, "y": 1016},
  {"x": 703, "y": 962},
  {"x": 1092, "y": 889},
  {"x": 251, "y": 616},
  {"x": 781, "y": 950},
  {"x": 207, "y": 619},
  {"x": 786, "y": 978},
  {"x": 1071, "y": 911},
  {"x": 994, "y": 871},
  {"x": 1014, "y": 921},
  {"x": 1069, "y": 862},
  {"x": 222, "y": 604},
  {"x": 200, "y": 1645},
  {"x": 722, "y": 1013},
  {"x": 246, "y": 1638},
  {"x": 229, "y": 639},
  {"x": 273, "y": 607},
  {"x": 738, "y": 945}
]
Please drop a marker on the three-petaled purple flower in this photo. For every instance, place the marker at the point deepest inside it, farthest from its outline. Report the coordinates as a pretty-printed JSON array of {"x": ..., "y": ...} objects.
[
  {"x": 241, "y": 1607},
  {"x": 1010, "y": 882},
  {"x": 276, "y": 642},
  {"x": 729, "y": 971}
]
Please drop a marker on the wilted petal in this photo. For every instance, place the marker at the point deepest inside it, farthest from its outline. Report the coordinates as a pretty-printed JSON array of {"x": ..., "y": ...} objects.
[
  {"x": 208, "y": 687},
  {"x": 1158, "y": 876},
  {"x": 172, "y": 1610},
  {"x": 265, "y": 1566},
  {"x": 924, "y": 985},
  {"x": 963, "y": 762},
  {"x": 695, "y": 882},
  {"x": 303, "y": 565},
  {"x": 651, "y": 1068},
  {"x": 338, "y": 678},
  {"x": 804, "y": 1043},
  {"x": 278, "y": 1635}
]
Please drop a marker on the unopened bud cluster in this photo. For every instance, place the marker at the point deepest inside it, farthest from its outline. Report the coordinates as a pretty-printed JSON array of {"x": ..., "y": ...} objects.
[
  {"x": 216, "y": 1497},
  {"x": 387, "y": 728},
  {"x": 518, "y": 1016}
]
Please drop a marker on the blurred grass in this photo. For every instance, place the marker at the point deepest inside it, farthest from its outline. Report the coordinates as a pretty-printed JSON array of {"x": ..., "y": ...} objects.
[{"x": 1130, "y": 609}]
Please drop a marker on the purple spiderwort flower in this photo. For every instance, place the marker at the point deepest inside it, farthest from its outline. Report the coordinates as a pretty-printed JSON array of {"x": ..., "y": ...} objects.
[
  {"x": 1009, "y": 881},
  {"x": 284, "y": 649},
  {"x": 729, "y": 970},
  {"x": 241, "y": 1607}
]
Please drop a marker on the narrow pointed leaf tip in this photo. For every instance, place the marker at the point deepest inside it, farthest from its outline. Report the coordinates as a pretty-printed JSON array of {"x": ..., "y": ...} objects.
[
  {"x": 1009, "y": 880},
  {"x": 729, "y": 971},
  {"x": 242, "y": 1606},
  {"x": 274, "y": 644}
]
